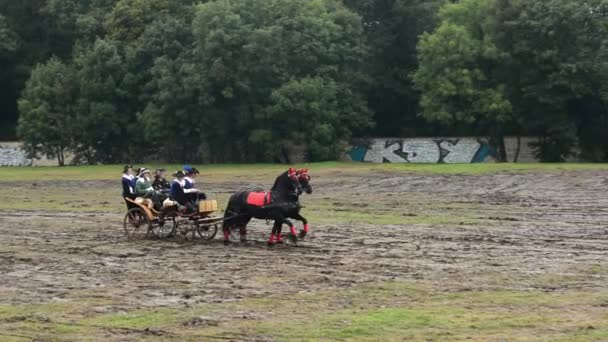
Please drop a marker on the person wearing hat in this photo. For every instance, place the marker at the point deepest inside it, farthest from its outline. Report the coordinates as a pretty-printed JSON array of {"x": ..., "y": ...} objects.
[
  {"x": 143, "y": 188},
  {"x": 128, "y": 183},
  {"x": 160, "y": 183},
  {"x": 192, "y": 193},
  {"x": 177, "y": 193}
]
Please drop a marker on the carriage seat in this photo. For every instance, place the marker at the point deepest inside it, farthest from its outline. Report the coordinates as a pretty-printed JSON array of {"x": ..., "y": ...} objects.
[{"x": 259, "y": 199}]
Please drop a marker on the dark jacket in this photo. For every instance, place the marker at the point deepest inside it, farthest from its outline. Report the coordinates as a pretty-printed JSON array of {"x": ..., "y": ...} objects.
[
  {"x": 160, "y": 184},
  {"x": 128, "y": 187},
  {"x": 177, "y": 193}
]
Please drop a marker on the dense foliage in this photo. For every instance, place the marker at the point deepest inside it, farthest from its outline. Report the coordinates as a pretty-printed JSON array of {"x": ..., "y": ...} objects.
[
  {"x": 519, "y": 66},
  {"x": 252, "y": 80}
]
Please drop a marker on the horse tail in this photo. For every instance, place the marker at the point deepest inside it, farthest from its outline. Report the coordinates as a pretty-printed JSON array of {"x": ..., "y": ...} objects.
[
  {"x": 229, "y": 213},
  {"x": 235, "y": 208}
]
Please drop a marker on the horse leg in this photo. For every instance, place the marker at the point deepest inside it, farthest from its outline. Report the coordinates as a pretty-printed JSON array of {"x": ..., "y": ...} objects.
[
  {"x": 243, "y": 230},
  {"x": 305, "y": 222},
  {"x": 292, "y": 229},
  {"x": 226, "y": 227},
  {"x": 275, "y": 229},
  {"x": 279, "y": 237}
]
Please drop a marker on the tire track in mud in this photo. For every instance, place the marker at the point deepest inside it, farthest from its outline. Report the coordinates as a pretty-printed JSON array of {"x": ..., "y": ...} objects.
[{"x": 530, "y": 226}]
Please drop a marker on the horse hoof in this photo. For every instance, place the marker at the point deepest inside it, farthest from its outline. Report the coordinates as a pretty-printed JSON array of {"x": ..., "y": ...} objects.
[
  {"x": 226, "y": 242},
  {"x": 270, "y": 243},
  {"x": 302, "y": 234}
]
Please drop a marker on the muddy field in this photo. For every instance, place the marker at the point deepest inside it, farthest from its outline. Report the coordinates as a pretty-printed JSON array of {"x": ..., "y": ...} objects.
[{"x": 380, "y": 239}]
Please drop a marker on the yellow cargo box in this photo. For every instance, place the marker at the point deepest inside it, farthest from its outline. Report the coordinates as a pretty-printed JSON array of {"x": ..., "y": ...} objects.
[{"x": 207, "y": 206}]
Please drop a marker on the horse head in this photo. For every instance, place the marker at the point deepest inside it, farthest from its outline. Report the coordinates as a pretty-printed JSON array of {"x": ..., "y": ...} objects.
[
  {"x": 287, "y": 184},
  {"x": 304, "y": 179}
]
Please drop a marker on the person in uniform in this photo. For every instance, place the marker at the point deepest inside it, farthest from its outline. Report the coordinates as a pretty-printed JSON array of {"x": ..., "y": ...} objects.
[
  {"x": 177, "y": 193},
  {"x": 192, "y": 193},
  {"x": 128, "y": 184}
]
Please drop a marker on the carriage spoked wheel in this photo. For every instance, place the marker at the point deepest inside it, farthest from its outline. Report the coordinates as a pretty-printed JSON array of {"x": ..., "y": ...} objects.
[
  {"x": 184, "y": 229},
  {"x": 206, "y": 231},
  {"x": 136, "y": 224},
  {"x": 163, "y": 229}
]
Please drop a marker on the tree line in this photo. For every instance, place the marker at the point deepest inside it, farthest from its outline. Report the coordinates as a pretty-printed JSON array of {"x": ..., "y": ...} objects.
[{"x": 247, "y": 80}]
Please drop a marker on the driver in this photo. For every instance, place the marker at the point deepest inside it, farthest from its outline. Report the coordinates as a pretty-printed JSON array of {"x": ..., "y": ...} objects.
[
  {"x": 193, "y": 194},
  {"x": 177, "y": 193}
]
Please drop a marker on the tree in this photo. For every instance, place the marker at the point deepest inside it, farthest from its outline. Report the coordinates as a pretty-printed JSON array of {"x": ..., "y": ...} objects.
[
  {"x": 46, "y": 124},
  {"x": 556, "y": 71},
  {"x": 8, "y": 46},
  {"x": 391, "y": 31},
  {"x": 8, "y": 38},
  {"x": 315, "y": 112},
  {"x": 172, "y": 119},
  {"x": 107, "y": 127},
  {"x": 457, "y": 66},
  {"x": 536, "y": 67},
  {"x": 43, "y": 29},
  {"x": 248, "y": 49}
]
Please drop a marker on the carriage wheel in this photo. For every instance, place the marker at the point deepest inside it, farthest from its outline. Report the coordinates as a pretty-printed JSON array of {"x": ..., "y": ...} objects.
[
  {"x": 207, "y": 232},
  {"x": 136, "y": 224},
  {"x": 184, "y": 229},
  {"x": 164, "y": 229}
]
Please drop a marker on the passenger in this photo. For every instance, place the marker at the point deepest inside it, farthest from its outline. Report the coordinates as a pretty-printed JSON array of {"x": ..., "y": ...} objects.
[
  {"x": 143, "y": 188},
  {"x": 177, "y": 193},
  {"x": 128, "y": 184},
  {"x": 136, "y": 175},
  {"x": 160, "y": 183},
  {"x": 193, "y": 194}
]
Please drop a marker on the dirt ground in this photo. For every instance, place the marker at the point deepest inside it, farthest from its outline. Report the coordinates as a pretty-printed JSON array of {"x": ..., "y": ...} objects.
[{"x": 527, "y": 232}]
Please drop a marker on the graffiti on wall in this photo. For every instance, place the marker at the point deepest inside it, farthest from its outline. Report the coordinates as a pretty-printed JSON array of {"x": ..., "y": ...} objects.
[
  {"x": 419, "y": 150},
  {"x": 13, "y": 156}
]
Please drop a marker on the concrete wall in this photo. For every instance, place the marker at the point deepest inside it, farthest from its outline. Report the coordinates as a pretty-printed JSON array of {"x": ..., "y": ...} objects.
[
  {"x": 435, "y": 150},
  {"x": 11, "y": 154}
]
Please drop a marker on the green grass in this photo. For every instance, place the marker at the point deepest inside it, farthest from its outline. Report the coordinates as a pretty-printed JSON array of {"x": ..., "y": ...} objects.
[
  {"x": 390, "y": 311},
  {"x": 139, "y": 319},
  {"x": 111, "y": 172}
]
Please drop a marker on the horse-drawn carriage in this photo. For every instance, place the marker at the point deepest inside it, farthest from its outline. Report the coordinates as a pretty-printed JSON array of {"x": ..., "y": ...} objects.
[
  {"x": 141, "y": 220},
  {"x": 278, "y": 205}
]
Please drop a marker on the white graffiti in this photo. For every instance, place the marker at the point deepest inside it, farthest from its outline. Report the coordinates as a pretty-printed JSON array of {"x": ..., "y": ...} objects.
[
  {"x": 461, "y": 151},
  {"x": 389, "y": 153},
  {"x": 419, "y": 150}
]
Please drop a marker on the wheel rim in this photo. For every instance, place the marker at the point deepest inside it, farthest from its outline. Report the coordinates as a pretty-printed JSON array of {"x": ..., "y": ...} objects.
[
  {"x": 183, "y": 229},
  {"x": 136, "y": 224},
  {"x": 207, "y": 232},
  {"x": 162, "y": 230}
]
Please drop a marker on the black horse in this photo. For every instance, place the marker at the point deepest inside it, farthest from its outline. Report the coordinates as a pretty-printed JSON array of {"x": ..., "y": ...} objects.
[
  {"x": 293, "y": 211},
  {"x": 279, "y": 204}
]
